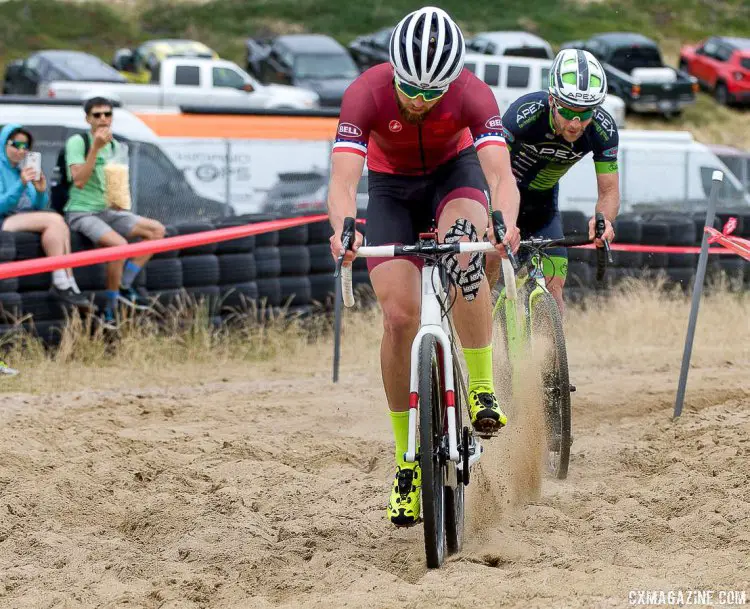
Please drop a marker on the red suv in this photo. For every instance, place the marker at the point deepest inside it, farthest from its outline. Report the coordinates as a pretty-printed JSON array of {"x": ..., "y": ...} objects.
[{"x": 721, "y": 65}]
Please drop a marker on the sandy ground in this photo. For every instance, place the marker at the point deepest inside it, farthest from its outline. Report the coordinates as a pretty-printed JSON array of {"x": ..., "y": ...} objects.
[{"x": 266, "y": 488}]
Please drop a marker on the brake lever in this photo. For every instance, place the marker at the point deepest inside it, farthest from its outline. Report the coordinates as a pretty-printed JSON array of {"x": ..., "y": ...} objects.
[
  {"x": 601, "y": 226},
  {"x": 498, "y": 225},
  {"x": 601, "y": 260},
  {"x": 347, "y": 240}
]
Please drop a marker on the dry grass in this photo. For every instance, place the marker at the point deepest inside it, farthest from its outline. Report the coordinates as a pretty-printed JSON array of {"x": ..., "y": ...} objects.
[
  {"x": 182, "y": 345},
  {"x": 640, "y": 324},
  {"x": 643, "y": 326}
]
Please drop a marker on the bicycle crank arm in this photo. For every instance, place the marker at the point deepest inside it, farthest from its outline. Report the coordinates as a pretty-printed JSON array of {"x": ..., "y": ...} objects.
[{"x": 475, "y": 452}]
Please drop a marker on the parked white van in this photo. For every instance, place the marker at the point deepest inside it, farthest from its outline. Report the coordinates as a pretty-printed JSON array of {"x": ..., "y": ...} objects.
[
  {"x": 668, "y": 169},
  {"x": 159, "y": 189},
  {"x": 511, "y": 77}
]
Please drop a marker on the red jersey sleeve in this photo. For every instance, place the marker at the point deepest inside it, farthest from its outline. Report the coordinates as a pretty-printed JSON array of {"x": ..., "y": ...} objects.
[
  {"x": 355, "y": 118},
  {"x": 481, "y": 113}
]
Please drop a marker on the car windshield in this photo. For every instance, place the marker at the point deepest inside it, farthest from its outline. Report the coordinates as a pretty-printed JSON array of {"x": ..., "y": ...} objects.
[
  {"x": 325, "y": 66},
  {"x": 85, "y": 67},
  {"x": 627, "y": 59},
  {"x": 535, "y": 52}
]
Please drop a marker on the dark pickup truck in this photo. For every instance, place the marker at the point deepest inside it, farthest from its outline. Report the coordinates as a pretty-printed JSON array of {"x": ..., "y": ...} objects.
[{"x": 636, "y": 73}]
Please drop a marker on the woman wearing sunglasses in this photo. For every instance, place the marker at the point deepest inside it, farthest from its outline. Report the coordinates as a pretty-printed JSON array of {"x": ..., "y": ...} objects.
[
  {"x": 431, "y": 132},
  {"x": 547, "y": 133},
  {"x": 23, "y": 200}
]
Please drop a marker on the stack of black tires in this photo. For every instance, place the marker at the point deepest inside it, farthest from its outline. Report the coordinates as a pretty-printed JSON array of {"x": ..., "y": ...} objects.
[{"x": 292, "y": 270}]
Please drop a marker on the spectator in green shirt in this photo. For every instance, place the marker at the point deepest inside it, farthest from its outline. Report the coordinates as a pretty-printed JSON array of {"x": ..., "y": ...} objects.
[{"x": 87, "y": 211}]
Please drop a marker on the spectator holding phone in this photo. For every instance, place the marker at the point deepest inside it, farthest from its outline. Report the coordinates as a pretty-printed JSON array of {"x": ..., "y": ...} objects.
[{"x": 23, "y": 199}]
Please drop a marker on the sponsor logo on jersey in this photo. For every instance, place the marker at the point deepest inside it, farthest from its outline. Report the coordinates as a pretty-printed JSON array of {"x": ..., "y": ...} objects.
[
  {"x": 528, "y": 111},
  {"x": 552, "y": 152},
  {"x": 508, "y": 135},
  {"x": 610, "y": 152},
  {"x": 494, "y": 123},
  {"x": 604, "y": 125},
  {"x": 395, "y": 126},
  {"x": 349, "y": 130}
]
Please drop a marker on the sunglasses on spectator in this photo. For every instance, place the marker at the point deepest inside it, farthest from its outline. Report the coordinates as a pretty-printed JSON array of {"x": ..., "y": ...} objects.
[
  {"x": 413, "y": 92},
  {"x": 570, "y": 114},
  {"x": 20, "y": 145},
  {"x": 101, "y": 114}
]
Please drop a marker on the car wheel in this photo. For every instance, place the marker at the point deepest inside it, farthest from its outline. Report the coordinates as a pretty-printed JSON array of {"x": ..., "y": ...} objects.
[{"x": 721, "y": 94}]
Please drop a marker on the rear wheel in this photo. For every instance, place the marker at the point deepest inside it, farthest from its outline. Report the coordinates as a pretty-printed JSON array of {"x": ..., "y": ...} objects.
[
  {"x": 547, "y": 323},
  {"x": 454, "y": 497},
  {"x": 431, "y": 419}
]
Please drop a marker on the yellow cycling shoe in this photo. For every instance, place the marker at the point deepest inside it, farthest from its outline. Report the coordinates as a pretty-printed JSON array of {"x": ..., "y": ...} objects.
[
  {"x": 403, "y": 506},
  {"x": 486, "y": 415}
]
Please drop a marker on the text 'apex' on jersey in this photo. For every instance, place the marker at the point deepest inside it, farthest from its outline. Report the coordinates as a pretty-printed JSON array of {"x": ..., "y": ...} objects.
[
  {"x": 370, "y": 124},
  {"x": 539, "y": 157}
]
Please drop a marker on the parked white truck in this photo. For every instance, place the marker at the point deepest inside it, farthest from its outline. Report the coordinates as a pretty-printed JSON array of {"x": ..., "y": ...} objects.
[{"x": 191, "y": 81}]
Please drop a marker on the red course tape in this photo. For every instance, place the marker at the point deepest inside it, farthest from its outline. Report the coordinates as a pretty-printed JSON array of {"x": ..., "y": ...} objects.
[{"x": 106, "y": 254}]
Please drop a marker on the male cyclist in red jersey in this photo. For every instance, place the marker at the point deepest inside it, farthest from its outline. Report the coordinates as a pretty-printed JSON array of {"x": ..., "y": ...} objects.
[{"x": 432, "y": 135}]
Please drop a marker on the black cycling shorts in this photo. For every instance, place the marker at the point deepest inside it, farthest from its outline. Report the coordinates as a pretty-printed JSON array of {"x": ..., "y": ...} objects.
[{"x": 400, "y": 207}]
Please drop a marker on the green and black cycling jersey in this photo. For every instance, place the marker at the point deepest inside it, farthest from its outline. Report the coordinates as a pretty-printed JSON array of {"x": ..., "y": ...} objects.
[{"x": 540, "y": 157}]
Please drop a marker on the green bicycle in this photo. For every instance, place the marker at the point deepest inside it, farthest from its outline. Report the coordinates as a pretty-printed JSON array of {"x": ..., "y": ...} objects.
[{"x": 528, "y": 316}]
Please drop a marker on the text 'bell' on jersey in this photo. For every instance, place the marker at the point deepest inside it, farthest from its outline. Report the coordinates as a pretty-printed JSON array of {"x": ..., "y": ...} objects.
[
  {"x": 539, "y": 157},
  {"x": 370, "y": 124}
]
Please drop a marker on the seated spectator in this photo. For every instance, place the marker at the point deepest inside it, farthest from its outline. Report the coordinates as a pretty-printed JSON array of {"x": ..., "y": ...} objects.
[
  {"x": 22, "y": 204},
  {"x": 87, "y": 211}
]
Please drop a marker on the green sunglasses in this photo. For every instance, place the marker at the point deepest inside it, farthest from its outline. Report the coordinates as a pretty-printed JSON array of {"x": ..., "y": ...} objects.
[
  {"x": 569, "y": 115},
  {"x": 20, "y": 145},
  {"x": 413, "y": 92}
]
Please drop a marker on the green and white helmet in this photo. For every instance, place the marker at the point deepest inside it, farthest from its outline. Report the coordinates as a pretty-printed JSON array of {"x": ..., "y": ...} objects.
[{"x": 577, "y": 79}]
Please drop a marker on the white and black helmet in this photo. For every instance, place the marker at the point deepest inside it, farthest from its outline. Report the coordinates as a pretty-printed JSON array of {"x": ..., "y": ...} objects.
[
  {"x": 577, "y": 79},
  {"x": 427, "y": 49}
]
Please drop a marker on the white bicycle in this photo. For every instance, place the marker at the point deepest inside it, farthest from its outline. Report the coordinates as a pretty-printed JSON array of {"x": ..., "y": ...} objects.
[{"x": 436, "y": 409}]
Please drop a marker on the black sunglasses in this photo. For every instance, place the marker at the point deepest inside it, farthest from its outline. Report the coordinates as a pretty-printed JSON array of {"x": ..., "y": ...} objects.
[
  {"x": 19, "y": 145},
  {"x": 101, "y": 114}
]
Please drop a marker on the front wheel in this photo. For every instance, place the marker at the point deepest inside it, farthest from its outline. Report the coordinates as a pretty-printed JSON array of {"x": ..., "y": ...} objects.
[
  {"x": 431, "y": 458},
  {"x": 454, "y": 497},
  {"x": 547, "y": 325}
]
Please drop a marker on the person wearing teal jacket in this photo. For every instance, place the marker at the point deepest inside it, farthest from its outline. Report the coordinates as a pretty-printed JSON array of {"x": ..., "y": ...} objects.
[{"x": 23, "y": 203}]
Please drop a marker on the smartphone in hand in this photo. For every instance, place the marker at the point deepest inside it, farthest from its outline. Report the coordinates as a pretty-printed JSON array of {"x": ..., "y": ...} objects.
[{"x": 34, "y": 160}]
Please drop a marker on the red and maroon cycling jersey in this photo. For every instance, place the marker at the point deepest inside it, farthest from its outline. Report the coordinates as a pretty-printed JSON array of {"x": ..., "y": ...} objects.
[{"x": 371, "y": 125}]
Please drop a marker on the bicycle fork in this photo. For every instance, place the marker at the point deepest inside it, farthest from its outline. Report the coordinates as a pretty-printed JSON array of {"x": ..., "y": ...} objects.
[{"x": 433, "y": 322}]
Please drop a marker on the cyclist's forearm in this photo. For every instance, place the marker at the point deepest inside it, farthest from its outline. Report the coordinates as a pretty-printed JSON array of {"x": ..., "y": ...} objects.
[
  {"x": 342, "y": 203},
  {"x": 609, "y": 204},
  {"x": 506, "y": 198}
]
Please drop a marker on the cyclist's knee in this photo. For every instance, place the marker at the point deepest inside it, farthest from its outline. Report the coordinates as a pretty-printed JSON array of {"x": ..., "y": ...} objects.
[{"x": 400, "y": 319}]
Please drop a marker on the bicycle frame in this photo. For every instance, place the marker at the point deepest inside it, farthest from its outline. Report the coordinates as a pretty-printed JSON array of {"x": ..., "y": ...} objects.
[
  {"x": 517, "y": 333},
  {"x": 434, "y": 322}
]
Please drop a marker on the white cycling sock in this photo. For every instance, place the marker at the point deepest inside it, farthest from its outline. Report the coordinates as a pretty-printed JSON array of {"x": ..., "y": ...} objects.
[{"x": 60, "y": 279}]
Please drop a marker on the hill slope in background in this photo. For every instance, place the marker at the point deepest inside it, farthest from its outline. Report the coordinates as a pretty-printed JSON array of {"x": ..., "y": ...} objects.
[{"x": 99, "y": 28}]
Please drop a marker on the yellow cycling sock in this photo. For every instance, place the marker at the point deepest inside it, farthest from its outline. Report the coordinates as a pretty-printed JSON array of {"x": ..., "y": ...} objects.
[
  {"x": 400, "y": 423},
  {"x": 479, "y": 363}
]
